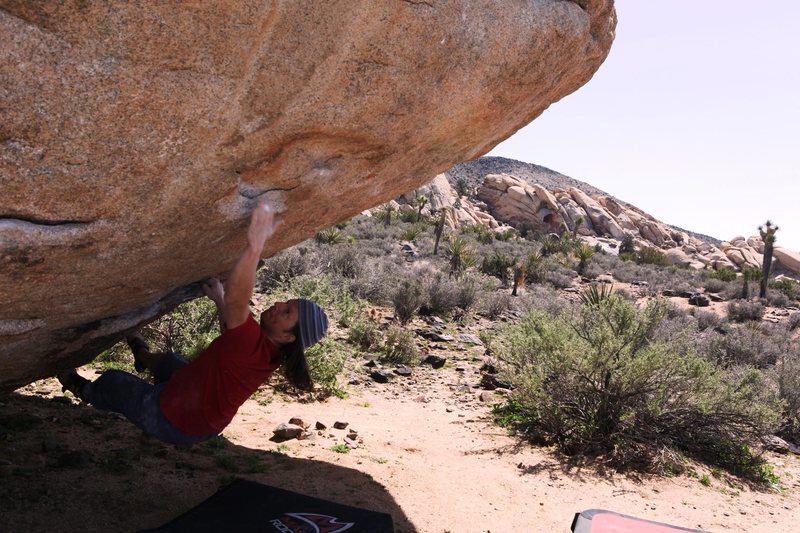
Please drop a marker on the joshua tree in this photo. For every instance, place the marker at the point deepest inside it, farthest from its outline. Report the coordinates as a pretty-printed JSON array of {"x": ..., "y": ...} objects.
[
  {"x": 387, "y": 214},
  {"x": 421, "y": 201},
  {"x": 439, "y": 230},
  {"x": 767, "y": 232}
]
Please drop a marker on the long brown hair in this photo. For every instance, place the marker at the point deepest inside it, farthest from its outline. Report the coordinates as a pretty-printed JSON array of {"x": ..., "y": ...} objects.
[{"x": 294, "y": 363}]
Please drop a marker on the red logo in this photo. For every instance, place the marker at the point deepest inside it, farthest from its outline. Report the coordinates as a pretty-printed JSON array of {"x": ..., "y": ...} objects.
[{"x": 310, "y": 523}]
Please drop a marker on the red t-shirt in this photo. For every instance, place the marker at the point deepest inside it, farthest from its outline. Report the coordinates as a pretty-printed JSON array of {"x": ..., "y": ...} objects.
[{"x": 203, "y": 397}]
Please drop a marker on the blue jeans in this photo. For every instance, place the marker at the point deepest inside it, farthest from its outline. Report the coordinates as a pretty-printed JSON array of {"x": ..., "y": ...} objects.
[{"x": 138, "y": 400}]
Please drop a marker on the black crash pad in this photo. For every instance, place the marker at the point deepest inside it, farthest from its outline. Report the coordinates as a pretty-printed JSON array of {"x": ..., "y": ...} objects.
[{"x": 246, "y": 506}]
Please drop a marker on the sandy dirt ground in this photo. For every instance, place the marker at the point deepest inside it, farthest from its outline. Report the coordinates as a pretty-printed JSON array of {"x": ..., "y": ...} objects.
[{"x": 427, "y": 453}]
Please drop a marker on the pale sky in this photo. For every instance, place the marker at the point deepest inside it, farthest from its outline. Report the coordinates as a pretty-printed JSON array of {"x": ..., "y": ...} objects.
[{"x": 694, "y": 117}]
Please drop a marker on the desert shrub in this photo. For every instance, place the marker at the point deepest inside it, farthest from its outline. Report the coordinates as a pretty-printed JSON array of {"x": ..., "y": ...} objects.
[
  {"x": 408, "y": 215},
  {"x": 747, "y": 345},
  {"x": 344, "y": 261},
  {"x": 777, "y": 299},
  {"x": 282, "y": 267},
  {"x": 627, "y": 245},
  {"x": 545, "y": 299},
  {"x": 789, "y": 287},
  {"x": 441, "y": 295},
  {"x": 724, "y": 274},
  {"x": 600, "y": 383},
  {"x": 550, "y": 245},
  {"x": 593, "y": 270},
  {"x": 325, "y": 291},
  {"x": 708, "y": 320},
  {"x": 326, "y": 360},
  {"x": 561, "y": 277},
  {"x": 467, "y": 291},
  {"x": 651, "y": 256},
  {"x": 373, "y": 286},
  {"x": 793, "y": 322},
  {"x": 583, "y": 253},
  {"x": 506, "y": 235},
  {"x": 787, "y": 377},
  {"x": 365, "y": 334},
  {"x": 495, "y": 304},
  {"x": 743, "y": 310},
  {"x": 399, "y": 347},
  {"x": 498, "y": 265},
  {"x": 483, "y": 234},
  {"x": 714, "y": 285},
  {"x": 407, "y": 299}
]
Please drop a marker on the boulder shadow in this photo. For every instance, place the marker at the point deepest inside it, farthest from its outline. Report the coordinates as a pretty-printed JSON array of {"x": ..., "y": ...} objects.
[{"x": 70, "y": 467}]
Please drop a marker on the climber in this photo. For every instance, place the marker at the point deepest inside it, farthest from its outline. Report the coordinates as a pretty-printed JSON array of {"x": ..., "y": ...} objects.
[{"x": 190, "y": 402}]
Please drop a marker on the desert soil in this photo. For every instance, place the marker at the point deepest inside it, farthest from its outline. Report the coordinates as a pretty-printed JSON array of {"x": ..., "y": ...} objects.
[{"x": 427, "y": 453}]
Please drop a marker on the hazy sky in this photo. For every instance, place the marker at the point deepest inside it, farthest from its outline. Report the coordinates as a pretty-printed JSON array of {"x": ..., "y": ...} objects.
[{"x": 694, "y": 117}]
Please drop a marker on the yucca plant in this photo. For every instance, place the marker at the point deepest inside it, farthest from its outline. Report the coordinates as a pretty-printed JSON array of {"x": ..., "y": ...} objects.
[
  {"x": 583, "y": 253},
  {"x": 411, "y": 233},
  {"x": 596, "y": 294},
  {"x": 330, "y": 236},
  {"x": 461, "y": 256}
]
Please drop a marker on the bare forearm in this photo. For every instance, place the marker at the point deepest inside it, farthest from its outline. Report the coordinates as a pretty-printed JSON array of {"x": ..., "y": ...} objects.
[{"x": 239, "y": 287}]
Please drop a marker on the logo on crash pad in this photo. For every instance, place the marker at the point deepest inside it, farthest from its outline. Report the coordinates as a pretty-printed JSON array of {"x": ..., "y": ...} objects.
[{"x": 310, "y": 523}]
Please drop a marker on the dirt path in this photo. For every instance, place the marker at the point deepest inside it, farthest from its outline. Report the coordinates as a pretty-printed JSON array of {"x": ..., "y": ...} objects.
[{"x": 428, "y": 454}]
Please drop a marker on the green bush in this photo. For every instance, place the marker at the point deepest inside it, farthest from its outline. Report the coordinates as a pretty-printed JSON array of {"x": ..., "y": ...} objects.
[
  {"x": 409, "y": 216},
  {"x": 651, "y": 256},
  {"x": 344, "y": 261},
  {"x": 189, "y": 329},
  {"x": 724, "y": 274},
  {"x": 326, "y": 360},
  {"x": 399, "y": 347},
  {"x": 365, "y": 334},
  {"x": 498, "y": 265},
  {"x": 483, "y": 234},
  {"x": 789, "y": 287},
  {"x": 599, "y": 382}
]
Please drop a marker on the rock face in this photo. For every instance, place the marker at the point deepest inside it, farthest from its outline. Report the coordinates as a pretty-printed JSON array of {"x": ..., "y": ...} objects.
[{"x": 136, "y": 136}]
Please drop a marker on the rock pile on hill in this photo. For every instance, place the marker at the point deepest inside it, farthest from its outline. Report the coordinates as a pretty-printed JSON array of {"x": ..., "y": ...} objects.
[{"x": 505, "y": 199}]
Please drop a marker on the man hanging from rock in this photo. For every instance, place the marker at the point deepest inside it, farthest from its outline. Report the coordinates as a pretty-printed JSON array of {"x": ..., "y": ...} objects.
[{"x": 190, "y": 402}]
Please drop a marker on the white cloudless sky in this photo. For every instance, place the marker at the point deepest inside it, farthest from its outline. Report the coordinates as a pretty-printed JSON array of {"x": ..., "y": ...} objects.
[{"x": 694, "y": 117}]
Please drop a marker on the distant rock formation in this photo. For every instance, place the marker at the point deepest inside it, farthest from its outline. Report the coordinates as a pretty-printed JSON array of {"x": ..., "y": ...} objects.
[
  {"x": 136, "y": 136},
  {"x": 599, "y": 219}
]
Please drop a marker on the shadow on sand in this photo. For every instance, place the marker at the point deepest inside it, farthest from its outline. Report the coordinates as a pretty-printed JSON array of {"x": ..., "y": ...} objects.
[{"x": 69, "y": 467}]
